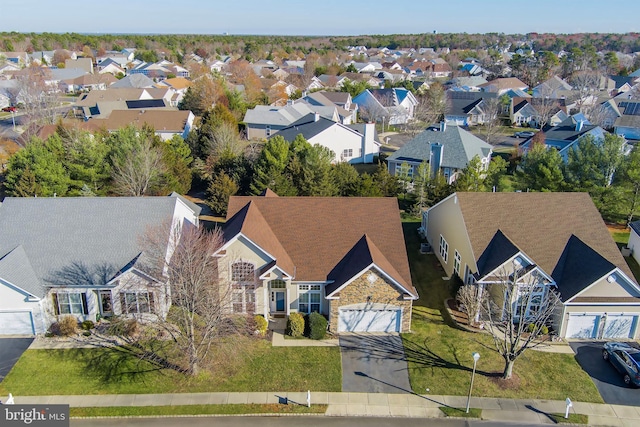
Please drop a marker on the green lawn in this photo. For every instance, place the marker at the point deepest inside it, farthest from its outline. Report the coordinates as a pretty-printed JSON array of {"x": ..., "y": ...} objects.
[
  {"x": 228, "y": 409},
  {"x": 439, "y": 355},
  {"x": 258, "y": 367}
]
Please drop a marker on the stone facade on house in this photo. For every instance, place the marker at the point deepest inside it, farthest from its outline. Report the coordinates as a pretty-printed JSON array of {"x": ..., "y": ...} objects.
[{"x": 380, "y": 291}]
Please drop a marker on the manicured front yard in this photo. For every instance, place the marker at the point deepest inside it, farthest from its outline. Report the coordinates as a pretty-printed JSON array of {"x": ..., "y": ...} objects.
[
  {"x": 256, "y": 367},
  {"x": 439, "y": 355}
]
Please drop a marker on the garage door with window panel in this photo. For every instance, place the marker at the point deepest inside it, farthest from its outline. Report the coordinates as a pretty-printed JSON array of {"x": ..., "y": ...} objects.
[
  {"x": 380, "y": 319},
  {"x": 16, "y": 323}
]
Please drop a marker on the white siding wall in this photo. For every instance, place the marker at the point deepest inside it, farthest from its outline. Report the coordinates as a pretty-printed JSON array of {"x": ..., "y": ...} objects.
[
  {"x": 634, "y": 245},
  {"x": 14, "y": 299}
]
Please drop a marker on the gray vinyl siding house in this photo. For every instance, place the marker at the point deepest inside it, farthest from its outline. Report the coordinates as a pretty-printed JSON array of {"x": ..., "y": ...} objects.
[{"x": 81, "y": 256}]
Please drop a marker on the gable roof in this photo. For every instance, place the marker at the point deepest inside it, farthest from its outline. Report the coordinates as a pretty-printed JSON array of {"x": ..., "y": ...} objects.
[
  {"x": 317, "y": 232},
  {"x": 92, "y": 236},
  {"x": 540, "y": 224},
  {"x": 160, "y": 120},
  {"x": 362, "y": 254},
  {"x": 308, "y": 127},
  {"x": 134, "y": 81},
  {"x": 578, "y": 265},
  {"x": 504, "y": 83},
  {"x": 459, "y": 146},
  {"x": 499, "y": 249},
  {"x": 16, "y": 269}
]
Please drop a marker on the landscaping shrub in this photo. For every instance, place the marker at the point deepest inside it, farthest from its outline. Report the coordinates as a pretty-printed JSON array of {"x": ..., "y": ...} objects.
[
  {"x": 67, "y": 325},
  {"x": 544, "y": 330},
  {"x": 531, "y": 327},
  {"x": 123, "y": 327},
  {"x": 317, "y": 326},
  {"x": 87, "y": 325},
  {"x": 261, "y": 324},
  {"x": 295, "y": 325}
]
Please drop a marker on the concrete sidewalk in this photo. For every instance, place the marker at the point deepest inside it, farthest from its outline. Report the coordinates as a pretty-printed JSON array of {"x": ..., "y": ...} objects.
[{"x": 368, "y": 404}]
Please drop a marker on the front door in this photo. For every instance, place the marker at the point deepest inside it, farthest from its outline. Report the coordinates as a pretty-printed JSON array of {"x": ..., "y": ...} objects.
[
  {"x": 279, "y": 301},
  {"x": 106, "y": 308}
]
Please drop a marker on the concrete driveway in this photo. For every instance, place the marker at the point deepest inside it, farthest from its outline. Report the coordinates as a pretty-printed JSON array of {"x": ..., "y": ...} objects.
[
  {"x": 374, "y": 363},
  {"x": 607, "y": 379},
  {"x": 10, "y": 351}
]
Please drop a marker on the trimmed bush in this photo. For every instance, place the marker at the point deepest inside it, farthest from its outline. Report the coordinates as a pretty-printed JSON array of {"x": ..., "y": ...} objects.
[
  {"x": 317, "y": 326},
  {"x": 67, "y": 325},
  {"x": 87, "y": 325},
  {"x": 544, "y": 330},
  {"x": 261, "y": 324},
  {"x": 295, "y": 325}
]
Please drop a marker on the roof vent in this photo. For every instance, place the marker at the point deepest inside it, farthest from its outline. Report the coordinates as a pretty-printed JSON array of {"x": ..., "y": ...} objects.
[{"x": 612, "y": 278}]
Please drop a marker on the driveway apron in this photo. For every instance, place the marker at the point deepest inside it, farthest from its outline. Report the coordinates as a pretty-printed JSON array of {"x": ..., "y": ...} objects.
[
  {"x": 10, "y": 351},
  {"x": 607, "y": 379},
  {"x": 374, "y": 363}
]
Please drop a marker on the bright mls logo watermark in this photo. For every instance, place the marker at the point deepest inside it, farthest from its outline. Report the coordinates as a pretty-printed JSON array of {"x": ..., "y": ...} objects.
[{"x": 34, "y": 415}]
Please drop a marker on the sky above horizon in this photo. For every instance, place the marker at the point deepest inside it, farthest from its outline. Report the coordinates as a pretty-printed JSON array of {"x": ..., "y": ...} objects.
[{"x": 327, "y": 17}]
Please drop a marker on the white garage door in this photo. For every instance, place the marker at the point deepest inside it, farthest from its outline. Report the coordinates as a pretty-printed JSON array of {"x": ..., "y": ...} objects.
[
  {"x": 16, "y": 323},
  {"x": 363, "y": 320},
  {"x": 619, "y": 326},
  {"x": 583, "y": 326}
]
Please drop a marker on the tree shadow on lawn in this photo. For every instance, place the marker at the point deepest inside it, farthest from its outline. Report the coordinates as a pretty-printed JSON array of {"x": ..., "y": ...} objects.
[
  {"x": 381, "y": 347},
  {"x": 130, "y": 361}
]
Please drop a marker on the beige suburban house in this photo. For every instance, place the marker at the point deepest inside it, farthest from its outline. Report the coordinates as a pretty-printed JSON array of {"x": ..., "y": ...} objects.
[
  {"x": 552, "y": 240},
  {"x": 330, "y": 255}
]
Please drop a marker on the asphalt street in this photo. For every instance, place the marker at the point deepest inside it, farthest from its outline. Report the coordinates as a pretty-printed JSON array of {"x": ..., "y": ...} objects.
[
  {"x": 318, "y": 421},
  {"x": 607, "y": 379}
]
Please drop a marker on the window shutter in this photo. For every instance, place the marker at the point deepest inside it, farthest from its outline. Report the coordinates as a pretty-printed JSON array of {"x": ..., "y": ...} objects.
[
  {"x": 123, "y": 304},
  {"x": 152, "y": 302},
  {"x": 85, "y": 307},
  {"x": 56, "y": 309}
]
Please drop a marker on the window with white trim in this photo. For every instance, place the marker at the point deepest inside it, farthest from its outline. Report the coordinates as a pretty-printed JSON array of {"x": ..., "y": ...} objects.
[
  {"x": 309, "y": 299},
  {"x": 277, "y": 284},
  {"x": 136, "y": 302},
  {"x": 444, "y": 249},
  {"x": 70, "y": 303},
  {"x": 243, "y": 299},
  {"x": 456, "y": 262}
]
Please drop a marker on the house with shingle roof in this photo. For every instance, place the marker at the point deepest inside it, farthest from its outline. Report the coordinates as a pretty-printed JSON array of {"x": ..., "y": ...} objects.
[
  {"x": 503, "y": 84},
  {"x": 447, "y": 148},
  {"x": 166, "y": 123},
  {"x": 555, "y": 241},
  {"x": 354, "y": 272},
  {"x": 262, "y": 121},
  {"x": 466, "y": 108},
  {"x": 566, "y": 134},
  {"x": 393, "y": 105},
  {"x": 349, "y": 143},
  {"x": 80, "y": 256}
]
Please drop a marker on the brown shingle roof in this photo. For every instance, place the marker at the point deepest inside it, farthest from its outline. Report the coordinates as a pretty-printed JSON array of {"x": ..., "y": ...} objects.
[
  {"x": 160, "y": 120},
  {"x": 317, "y": 232},
  {"x": 540, "y": 224}
]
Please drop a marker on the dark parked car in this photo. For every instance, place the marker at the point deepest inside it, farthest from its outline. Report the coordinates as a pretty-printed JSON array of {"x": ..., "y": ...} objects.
[
  {"x": 10, "y": 109},
  {"x": 625, "y": 359},
  {"x": 524, "y": 134}
]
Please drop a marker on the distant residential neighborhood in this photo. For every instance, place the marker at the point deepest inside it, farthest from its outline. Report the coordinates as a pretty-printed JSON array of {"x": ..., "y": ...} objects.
[{"x": 222, "y": 206}]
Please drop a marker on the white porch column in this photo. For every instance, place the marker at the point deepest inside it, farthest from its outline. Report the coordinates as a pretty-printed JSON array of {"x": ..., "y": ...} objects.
[
  {"x": 287, "y": 303},
  {"x": 265, "y": 301}
]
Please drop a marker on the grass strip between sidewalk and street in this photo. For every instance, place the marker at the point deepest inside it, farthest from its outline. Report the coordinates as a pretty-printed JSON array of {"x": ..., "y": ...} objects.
[
  {"x": 573, "y": 419},
  {"x": 460, "y": 412},
  {"x": 224, "y": 409}
]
